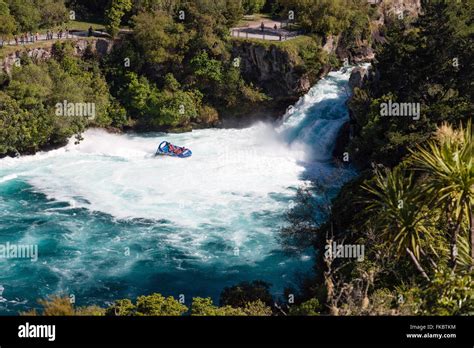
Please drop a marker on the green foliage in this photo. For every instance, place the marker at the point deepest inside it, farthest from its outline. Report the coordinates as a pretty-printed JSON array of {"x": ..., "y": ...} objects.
[
  {"x": 426, "y": 63},
  {"x": 90, "y": 311},
  {"x": 174, "y": 108},
  {"x": 206, "y": 68},
  {"x": 26, "y": 14},
  {"x": 160, "y": 39},
  {"x": 257, "y": 309},
  {"x": 158, "y": 305},
  {"x": 52, "y": 12},
  {"x": 449, "y": 294},
  {"x": 170, "y": 107},
  {"x": 181, "y": 70},
  {"x": 205, "y": 307},
  {"x": 21, "y": 131},
  {"x": 62, "y": 306},
  {"x": 246, "y": 292},
  {"x": 422, "y": 215},
  {"x": 151, "y": 305},
  {"x": 168, "y": 6},
  {"x": 329, "y": 17},
  {"x": 309, "y": 308},
  {"x": 415, "y": 206},
  {"x": 117, "y": 9},
  {"x": 253, "y": 6},
  {"x": 121, "y": 308},
  {"x": 395, "y": 205},
  {"x": 31, "y": 95},
  {"x": 8, "y": 24},
  {"x": 118, "y": 114},
  {"x": 449, "y": 165},
  {"x": 31, "y": 15}
]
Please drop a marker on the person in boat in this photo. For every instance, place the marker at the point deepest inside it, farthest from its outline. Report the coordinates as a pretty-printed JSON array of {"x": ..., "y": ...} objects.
[{"x": 175, "y": 149}]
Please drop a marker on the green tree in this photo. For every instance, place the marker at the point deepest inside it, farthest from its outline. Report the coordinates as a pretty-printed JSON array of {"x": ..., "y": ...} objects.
[
  {"x": 151, "y": 305},
  {"x": 114, "y": 14},
  {"x": 449, "y": 165},
  {"x": 26, "y": 14},
  {"x": 7, "y": 23},
  {"x": 158, "y": 305},
  {"x": 205, "y": 307},
  {"x": 448, "y": 294},
  {"x": 210, "y": 70},
  {"x": 253, "y": 6},
  {"x": 52, "y": 12},
  {"x": 246, "y": 292},
  {"x": 121, "y": 308},
  {"x": 328, "y": 17},
  {"x": 397, "y": 207},
  {"x": 173, "y": 108},
  {"x": 309, "y": 308},
  {"x": 160, "y": 39}
]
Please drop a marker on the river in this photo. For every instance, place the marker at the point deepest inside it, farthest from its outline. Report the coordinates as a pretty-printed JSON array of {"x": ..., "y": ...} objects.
[{"x": 112, "y": 221}]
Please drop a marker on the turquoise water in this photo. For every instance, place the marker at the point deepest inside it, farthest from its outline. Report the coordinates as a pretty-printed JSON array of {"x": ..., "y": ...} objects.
[{"x": 111, "y": 221}]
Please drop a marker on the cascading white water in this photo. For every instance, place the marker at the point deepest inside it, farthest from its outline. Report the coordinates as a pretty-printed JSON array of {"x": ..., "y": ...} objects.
[{"x": 190, "y": 225}]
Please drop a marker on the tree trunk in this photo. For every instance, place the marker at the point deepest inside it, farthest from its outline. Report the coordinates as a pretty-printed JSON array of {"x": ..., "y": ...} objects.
[
  {"x": 454, "y": 249},
  {"x": 417, "y": 264},
  {"x": 454, "y": 241}
]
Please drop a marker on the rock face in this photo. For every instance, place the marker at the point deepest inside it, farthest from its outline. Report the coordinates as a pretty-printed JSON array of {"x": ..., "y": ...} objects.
[
  {"x": 271, "y": 68},
  {"x": 388, "y": 8},
  {"x": 358, "y": 77},
  {"x": 100, "y": 47},
  {"x": 362, "y": 51}
]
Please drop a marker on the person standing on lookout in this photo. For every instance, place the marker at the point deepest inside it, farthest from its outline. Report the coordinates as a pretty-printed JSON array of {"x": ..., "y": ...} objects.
[{"x": 262, "y": 26}]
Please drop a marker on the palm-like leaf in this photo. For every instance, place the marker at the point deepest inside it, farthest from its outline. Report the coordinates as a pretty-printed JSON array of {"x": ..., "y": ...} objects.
[
  {"x": 397, "y": 209},
  {"x": 449, "y": 164}
]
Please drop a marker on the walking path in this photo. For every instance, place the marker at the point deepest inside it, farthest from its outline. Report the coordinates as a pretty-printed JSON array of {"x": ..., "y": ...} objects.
[
  {"x": 271, "y": 31},
  {"x": 43, "y": 38}
]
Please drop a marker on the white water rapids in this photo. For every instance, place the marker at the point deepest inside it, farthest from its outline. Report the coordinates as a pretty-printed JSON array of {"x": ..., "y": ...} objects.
[{"x": 230, "y": 195}]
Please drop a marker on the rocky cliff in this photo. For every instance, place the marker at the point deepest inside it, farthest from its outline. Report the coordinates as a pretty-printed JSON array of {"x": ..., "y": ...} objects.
[
  {"x": 98, "y": 46},
  {"x": 277, "y": 71},
  {"x": 385, "y": 11},
  {"x": 359, "y": 77},
  {"x": 362, "y": 50}
]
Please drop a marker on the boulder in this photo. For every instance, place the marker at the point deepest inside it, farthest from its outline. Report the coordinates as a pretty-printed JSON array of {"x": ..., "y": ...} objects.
[{"x": 358, "y": 77}]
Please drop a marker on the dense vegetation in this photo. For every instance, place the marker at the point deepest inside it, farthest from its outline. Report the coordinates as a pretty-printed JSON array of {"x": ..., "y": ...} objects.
[
  {"x": 411, "y": 207},
  {"x": 328, "y": 17},
  {"x": 18, "y": 16},
  {"x": 180, "y": 70},
  {"x": 28, "y": 101},
  {"x": 244, "y": 299},
  {"x": 174, "y": 70},
  {"x": 412, "y": 204}
]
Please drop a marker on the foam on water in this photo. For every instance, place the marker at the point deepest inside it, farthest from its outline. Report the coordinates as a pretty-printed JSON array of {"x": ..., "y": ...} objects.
[{"x": 110, "y": 192}]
